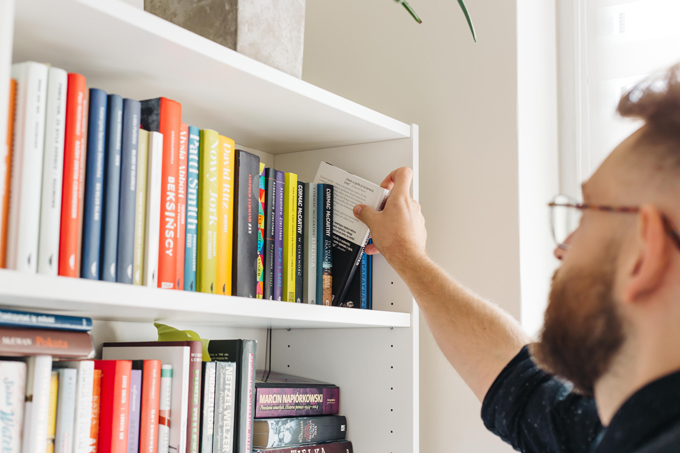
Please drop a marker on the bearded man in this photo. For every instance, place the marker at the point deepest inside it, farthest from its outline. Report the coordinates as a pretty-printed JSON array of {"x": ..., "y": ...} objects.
[{"x": 605, "y": 375}]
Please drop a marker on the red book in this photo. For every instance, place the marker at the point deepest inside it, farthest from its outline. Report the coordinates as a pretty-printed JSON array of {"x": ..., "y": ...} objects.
[
  {"x": 165, "y": 116},
  {"x": 5, "y": 166},
  {"x": 115, "y": 405},
  {"x": 181, "y": 204},
  {"x": 151, "y": 399},
  {"x": 74, "y": 162}
]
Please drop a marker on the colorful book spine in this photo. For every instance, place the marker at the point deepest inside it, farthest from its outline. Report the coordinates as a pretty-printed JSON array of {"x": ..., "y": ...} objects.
[
  {"x": 300, "y": 431},
  {"x": 153, "y": 209},
  {"x": 128, "y": 191},
  {"x": 260, "y": 237},
  {"x": 96, "y": 411},
  {"x": 246, "y": 193},
  {"x": 5, "y": 165},
  {"x": 310, "y": 237},
  {"x": 94, "y": 185},
  {"x": 195, "y": 369},
  {"x": 191, "y": 239},
  {"x": 66, "y": 410},
  {"x": 12, "y": 391},
  {"x": 60, "y": 343},
  {"x": 164, "y": 411},
  {"x": 39, "y": 372},
  {"x": 289, "y": 236},
  {"x": 81, "y": 179},
  {"x": 207, "y": 211},
  {"x": 74, "y": 157},
  {"x": 181, "y": 204},
  {"x": 52, "y": 412},
  {"x": 53, "y": 168},
  {"x": 208, "y": 407},
  {"x": 269, "y": 231},
  {"x": 140, "y": 207},
  {"x": 165, "y": 116},
  {"x": 278, "y": 236},
  {"x": 151, "y": 391},
  {"x": 225, "y": 408},
  {"x": 225, "y": 215},
  {"x": 83, "y": 403},
  {"x": 324, "y": 264},
  {"x": 27, "y": 159},
  {"x": 332, "y": 447},
  {"x": 115, "y": 405},
  {"x": 299, "y": 241},
  {"x": 369, "y": 285},
  {"x": 13, "y": 318},
  {"x": 135, "y": 411},
  {"x": 114, "y": 135},
  {"x": 296, "y": 401}
]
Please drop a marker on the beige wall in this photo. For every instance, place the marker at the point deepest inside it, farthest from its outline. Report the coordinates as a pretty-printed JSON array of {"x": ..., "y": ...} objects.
[{"x": 464, "y": 97}]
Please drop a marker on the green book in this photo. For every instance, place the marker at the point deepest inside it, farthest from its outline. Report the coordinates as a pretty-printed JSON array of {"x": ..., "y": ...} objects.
[
  {"x": 140, "y": 208},
  {"x": 207, "y": 211}
]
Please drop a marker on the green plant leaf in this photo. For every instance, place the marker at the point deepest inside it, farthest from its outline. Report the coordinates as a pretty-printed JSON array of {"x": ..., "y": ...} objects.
[
  {"x": 469, "y": 20},
  {"x": 410, "y": 10}
]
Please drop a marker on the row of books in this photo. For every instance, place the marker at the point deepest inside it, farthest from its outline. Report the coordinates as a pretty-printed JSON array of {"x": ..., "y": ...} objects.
[{"x": 120, "y": 190}]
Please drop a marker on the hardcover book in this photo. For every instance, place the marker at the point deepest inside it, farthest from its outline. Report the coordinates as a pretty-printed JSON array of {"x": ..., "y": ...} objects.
[
  {"x": 208, "y": 407},
  {"x": 324, "y": 263},
  {"x": 165, "y": 409},
  {"x": 349, "y": 233},
  {"x": 150, "y": 404},
  {"x": 260, "y": 235},
  {"x": 333, "y": 447},
  {"x": 13, "y": 318},
  {"x": 140, "y": 207},
  {"x": 181, "y": 204},
  {"x": 278, "y": 236},
  {"x": 93, "y": 443},
  {"x": 310, "y": 237},
  {"x": 115, "y": 405},
  {"x": 282, "y": 395},
  {"x": 225, "y": 407},
  {"x": 153, "y": 209},
  {"x": 19, "y": 342},
  {"x": 135, "y": 411},
  {"x": 83, "y": 402},
  {"x": 12, "y": 393},
  {"x": 52, "y": 412},
  {"x": 289, "y": 236},
  {"x": 299, "y": 241},
  {"x": 114, "y": 135},
  {"x": 191, "y": 239},
  {"x": 5, "y": 165},
  {"x": 288, "y": 432},
  {"x": 269, "y": 231},
  {"x": 66, "y": 410},
  {"x": 36, "y": 408},
  {"x": 225, "y": 216},
  {"x": 207, "y": 211}
]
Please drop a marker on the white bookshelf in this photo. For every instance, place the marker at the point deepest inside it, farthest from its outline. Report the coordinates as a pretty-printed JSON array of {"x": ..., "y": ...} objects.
[{"x": 291, "y": 125}]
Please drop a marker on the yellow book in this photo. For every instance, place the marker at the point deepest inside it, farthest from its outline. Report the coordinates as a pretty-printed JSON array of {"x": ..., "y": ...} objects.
[
  {"x": 207, "y": 210},
  {"x": 52, "y": 411},
  {"x": 225, "y": 215},
  {"x": 289, "y": 231},
  {"x": 140, "y": 208}
]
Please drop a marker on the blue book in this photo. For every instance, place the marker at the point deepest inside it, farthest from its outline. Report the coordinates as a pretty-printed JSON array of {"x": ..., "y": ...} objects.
[
  {"x": 114, "y": 131},
  {"x": 369, "y": 280},
  {"x": 278, "y": 236},
  {"x": 13, "y": 318},
  {"x": 128, "y": 190},
  {"x": 94, "y": 185},
  {"x": 191, "y": 238}
]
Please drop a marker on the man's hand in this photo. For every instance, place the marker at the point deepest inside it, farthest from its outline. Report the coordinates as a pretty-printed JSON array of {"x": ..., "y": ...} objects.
[{"x": 398, "y": 231}]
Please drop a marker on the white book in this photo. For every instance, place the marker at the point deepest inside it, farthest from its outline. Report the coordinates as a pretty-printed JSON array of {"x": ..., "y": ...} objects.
[
  {"x": 177, "y": 356},
  {"x": 27, "y": 157},
  {"x": 83, "y": 409},
  {"x": 37, "y": 401},
  {"x": 153, "y": 209},
  {"x": 309, "y": 273},
  {"x": 12, "y": 396},
  {"x": 52, "y": 172},
  {"x": 66, "y": 410}
]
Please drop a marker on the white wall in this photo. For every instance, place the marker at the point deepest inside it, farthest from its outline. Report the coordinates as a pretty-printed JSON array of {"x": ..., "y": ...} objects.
[{"x": 464, "y": 97}]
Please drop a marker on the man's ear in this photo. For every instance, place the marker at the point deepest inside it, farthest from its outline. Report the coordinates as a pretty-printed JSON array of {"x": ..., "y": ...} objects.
[{"x": 650, "y": 255}]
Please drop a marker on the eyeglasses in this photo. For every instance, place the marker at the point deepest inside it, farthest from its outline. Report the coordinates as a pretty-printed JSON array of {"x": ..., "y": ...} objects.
[{"x": 566, "y": 212}]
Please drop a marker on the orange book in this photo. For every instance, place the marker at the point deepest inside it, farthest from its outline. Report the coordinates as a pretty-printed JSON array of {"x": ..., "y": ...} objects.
[
  {"x": 181, "y": 204},
  {"x": 225, "y": 215},
  {"x": 151, "y": 400},
  {"x": 115, "y": 405},
  {"x": 96, "y": 409},
  {"x": 75, "y": 139},
  {"x": 4, "y": 199}
]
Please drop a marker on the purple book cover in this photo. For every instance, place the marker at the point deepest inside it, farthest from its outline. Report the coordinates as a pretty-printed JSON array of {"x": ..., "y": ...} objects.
[
  {"x": 296, "y": 402},
  {"x": 278, "y": 237},
  {"x": 135, "y": 409}
]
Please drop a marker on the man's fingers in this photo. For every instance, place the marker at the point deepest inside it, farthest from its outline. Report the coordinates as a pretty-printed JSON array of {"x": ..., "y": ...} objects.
[
  {"x": 399, "y": 181},
  {"x": 365, "y": 213},
  {"x": 371, "y": 249}
]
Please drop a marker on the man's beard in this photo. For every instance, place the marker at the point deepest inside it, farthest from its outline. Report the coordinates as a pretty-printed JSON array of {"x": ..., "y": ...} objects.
[{"x": 582, "y": 330}]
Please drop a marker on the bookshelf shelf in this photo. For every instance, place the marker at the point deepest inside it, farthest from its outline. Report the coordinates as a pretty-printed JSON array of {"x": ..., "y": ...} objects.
[{"x": 113, "y": 301}]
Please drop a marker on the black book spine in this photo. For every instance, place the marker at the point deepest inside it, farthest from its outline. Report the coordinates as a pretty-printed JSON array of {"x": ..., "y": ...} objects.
[
  {"x": 325, "y": 244},
  {"x": 288, "y": 432},
  {"x": 369, "y": 280},
  {"x": 151, "y": 114},
  {"x": 300, "y": 242},
  {"x": 335, "y": 447},
  {"x": 269, "y": 229},
  {"x": 246, "y": 199}
]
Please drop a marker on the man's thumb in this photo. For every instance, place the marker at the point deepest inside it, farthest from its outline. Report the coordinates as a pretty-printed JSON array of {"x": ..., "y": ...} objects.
[{"x": 365, "y": 213}]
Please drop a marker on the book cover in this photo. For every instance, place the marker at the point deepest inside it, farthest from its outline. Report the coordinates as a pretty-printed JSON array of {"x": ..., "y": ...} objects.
[
  {"x": 269, "y": 231},
  {"x": 332, "y": 447},
  {"x": 207, "y": 211},
  {"x": 53, "y": 168},
  {"x": 289, "y": 236},
  {"x": 357, "y": 293},
  {"x": 259, "y": 293},
  {"x": 115, "y": 405},
  {"x": 66, "y": 410},
  {"x": 225, "y": 407},
  {"x": 324, "y": 263},
  {"x": 140, "y": 207},
  {"x": 27, "y": 163},
  {"x": 52, "y": 412},
  {"x": 153, "y": 209},
  {"x": 288, "y": 432},
  {"x": 165, "y": 410},
  {"x": 96, "y": 411},
  {"x": 114, "y": 136},
  {"x": 181, "y": 204},
  {"x": 135, "y": 411},
  {"x": 83, "y": 403},
  {"x": 283, "y": 395},
  {"x": 18, "y": 341},
  {"x": 310, "y": 237},
  {"x": 207, "y": 407},
  {"x": 278, "y": 236},
  {"x": 150, "y": 404},
  {"x": 241, "y": 352},
  {"x": 94, "y": 185},
  {"x": 81, "y": 180},
  {"x": 349, "y": 233},
  {"x": 369, "y": 292},
  {"x": 5, "y": 165},
  {"x": 128, "y": 191},
  {"x": 36, "y": 408},
  {"x": 225, "y": 215},
  {"x": 13, "y": 378},
  {"x": 191, "y": 238},
  {"x": 246, "y": 193},
  {"x": 299, "y": 242},
  {"x": 74, "y": 158},
  {"x": 165, "y": 116},
  {"x": 14, "y": 318}
]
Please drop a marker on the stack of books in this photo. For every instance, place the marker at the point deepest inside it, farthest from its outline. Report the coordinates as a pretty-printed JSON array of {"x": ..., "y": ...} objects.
[{"x": 101, "y": 187}]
